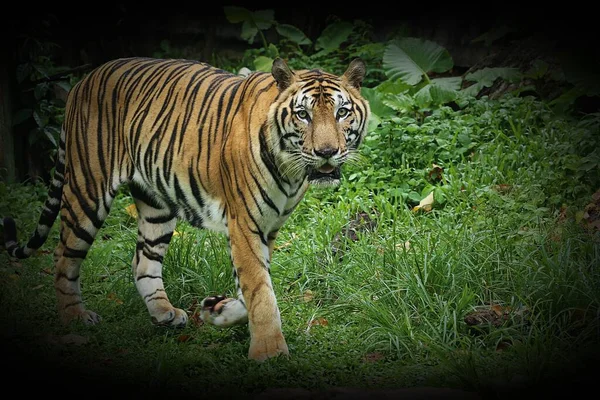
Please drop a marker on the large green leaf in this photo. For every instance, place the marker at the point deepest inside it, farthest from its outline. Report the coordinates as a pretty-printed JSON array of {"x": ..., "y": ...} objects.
[
  {"x": 249, "y": 31},
  {"x": 262, "y": 63},
  {"x": 486, "y": 77},
  {"x": 251, "y": 21},
  {"x": 439, "y": 91},
  {"x": 263, "y": 18},
  {"x": 410, "y": 59},
  {"x": 52, "y": 133},
  {"x": 292, "y": 33},
  {"x": 393, "y": 86},
  {"x": 452, "y": 83},
  {"x": 378, "y": 109},
  {"x": 272, "y": 51},
  {"x": 399, "y": 102},
  {"x": 40, "y": 120},
  {"x": 376, "y": 103},
  {"x": 333, "y": 36}
]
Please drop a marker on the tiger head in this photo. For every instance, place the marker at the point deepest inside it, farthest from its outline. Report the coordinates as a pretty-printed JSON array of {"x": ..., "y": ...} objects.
[{"x": 318, "y": 121}]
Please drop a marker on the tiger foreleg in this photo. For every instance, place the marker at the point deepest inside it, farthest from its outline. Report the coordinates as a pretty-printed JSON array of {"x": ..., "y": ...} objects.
[{"x": 251, "y": 258}]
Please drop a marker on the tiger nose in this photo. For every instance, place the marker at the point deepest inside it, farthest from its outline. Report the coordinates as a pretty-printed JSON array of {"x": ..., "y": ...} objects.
[{"x": 326, "y": 152}]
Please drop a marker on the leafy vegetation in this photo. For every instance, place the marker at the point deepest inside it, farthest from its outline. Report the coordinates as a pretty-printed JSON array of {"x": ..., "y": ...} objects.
[
  {"x": 461, "y": 251},
  {"x": 42, "y": 114}
]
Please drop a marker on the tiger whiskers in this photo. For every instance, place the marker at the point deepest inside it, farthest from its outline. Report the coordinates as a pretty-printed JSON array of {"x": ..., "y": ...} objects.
[
  {"x": 293, "y": 165},
  {"x": 354, "y": 157}
]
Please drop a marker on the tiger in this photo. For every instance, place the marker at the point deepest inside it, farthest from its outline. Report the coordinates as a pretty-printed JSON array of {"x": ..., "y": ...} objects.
[{"x": 233, "y": 154}]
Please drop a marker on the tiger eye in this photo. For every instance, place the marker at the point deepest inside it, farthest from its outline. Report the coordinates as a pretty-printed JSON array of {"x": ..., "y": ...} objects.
[
  {"x": 342, "y": 112},
  {"x": 302, "y": 114}
]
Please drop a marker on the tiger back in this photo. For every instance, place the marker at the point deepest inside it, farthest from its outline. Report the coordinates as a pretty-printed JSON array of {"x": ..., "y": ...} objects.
[{"x": 196, "y": 143}]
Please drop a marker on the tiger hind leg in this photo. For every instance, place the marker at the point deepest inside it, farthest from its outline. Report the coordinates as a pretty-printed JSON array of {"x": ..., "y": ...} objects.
[
  {"x": 79, "y": 224},
  {"x": 224, "y": 311},
  {"x": 155, "y": 229}
]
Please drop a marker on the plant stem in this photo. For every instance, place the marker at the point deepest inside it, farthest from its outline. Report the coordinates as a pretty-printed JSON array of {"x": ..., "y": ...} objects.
[
  {"x": 264, "y": 39},
  {"x": 427, "y": 80}
]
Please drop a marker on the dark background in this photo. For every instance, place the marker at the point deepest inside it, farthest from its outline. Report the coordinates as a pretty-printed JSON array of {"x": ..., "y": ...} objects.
[{"x": 89, "y": 34}]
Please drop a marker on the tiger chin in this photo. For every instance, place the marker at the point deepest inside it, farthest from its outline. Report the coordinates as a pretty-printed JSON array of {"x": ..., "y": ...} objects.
[{"x": 196, "y": 143}]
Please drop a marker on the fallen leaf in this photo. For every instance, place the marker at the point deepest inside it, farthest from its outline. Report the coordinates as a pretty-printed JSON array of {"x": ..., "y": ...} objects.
[
  {"x": 131, "y": 210},
  {"x": 499, "y": 310},
  {"x": 319, "y": 321},
  {"x": 115, "y": 298},
  {"x": 183, "y": 338},
  {"x": 426, "y": 203},
  {"x": 562, "y": 216},
  {"x": 195, "y": 318},
  {"x": 495, "y": 315},
  {"x": 483, "y": 317},
  {"x": 194, "y": 313},
  {"x": 193, "y": 306},
  {"x": 502, "y": 188},
  {"x": 37, "y": 287},
  {"x": 48, "y": 271},
  {"x": 15, "y": 264},
  {"x": 436, "y": 173}
]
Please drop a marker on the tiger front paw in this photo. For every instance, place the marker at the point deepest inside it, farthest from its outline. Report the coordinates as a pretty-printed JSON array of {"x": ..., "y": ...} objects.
[{"x": 265, "y": 347}]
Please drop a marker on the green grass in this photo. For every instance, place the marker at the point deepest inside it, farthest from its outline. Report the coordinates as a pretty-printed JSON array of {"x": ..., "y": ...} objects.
[{"x": 390, "y": 303}]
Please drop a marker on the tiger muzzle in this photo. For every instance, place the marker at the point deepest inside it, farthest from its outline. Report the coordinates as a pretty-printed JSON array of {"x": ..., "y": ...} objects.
[{"x": 327, "y": 174}]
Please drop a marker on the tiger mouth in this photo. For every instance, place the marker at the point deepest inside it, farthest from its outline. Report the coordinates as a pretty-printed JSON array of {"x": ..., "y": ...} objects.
[{"x": 324, "y": 174}]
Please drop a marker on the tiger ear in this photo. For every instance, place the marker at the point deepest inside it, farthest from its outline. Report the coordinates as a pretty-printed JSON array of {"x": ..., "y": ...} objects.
[
  {"x": 283, "y": 75},
  {"x": 355, "y": 73}
]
